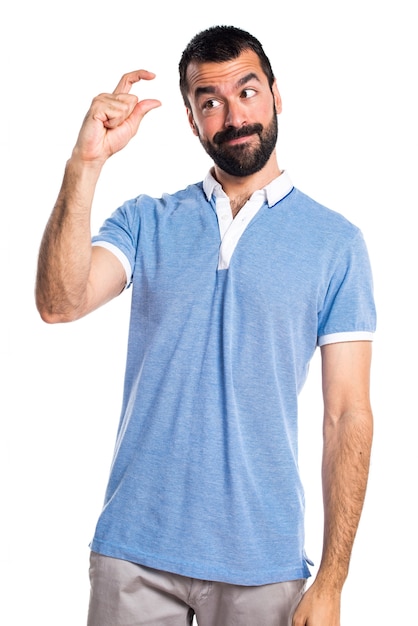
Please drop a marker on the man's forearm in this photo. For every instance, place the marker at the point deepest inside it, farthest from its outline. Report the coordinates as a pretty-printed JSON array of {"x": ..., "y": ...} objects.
[
  {"x": 346, "y": 458},
  {"x": 65, "y": 251}
]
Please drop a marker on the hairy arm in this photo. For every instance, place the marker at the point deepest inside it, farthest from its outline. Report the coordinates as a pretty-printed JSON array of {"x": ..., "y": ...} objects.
[
  {"x": 347, "y": 432},
  {"x": 73, "y": 278}
]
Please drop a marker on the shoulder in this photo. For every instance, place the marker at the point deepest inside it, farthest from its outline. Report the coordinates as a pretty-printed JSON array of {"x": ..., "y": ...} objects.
[
  {"x": 319, "y": 215},
  {"x": 144, "y": 203}
]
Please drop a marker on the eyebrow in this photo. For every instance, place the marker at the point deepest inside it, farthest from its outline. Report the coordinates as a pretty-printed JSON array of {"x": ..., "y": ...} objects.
[{"x": 212, "y": 88}]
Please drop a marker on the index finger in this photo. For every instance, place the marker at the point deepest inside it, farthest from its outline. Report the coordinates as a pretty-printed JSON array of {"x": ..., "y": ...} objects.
[{"x": 129, "y": 79}]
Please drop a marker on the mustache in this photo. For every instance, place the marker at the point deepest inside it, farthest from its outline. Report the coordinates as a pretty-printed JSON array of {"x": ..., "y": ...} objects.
[{"x": 236, "y": 133}]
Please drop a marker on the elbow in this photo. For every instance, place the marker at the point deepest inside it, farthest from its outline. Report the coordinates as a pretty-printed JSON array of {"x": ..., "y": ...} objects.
[
  {"x": 51, "y": 317},
  {"x": 46, "y": 316},
  {"x": 52, "y": 314}
]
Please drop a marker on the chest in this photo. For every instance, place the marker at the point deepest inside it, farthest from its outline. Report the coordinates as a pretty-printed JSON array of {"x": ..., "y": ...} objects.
[{"x": 261, "y": 256}]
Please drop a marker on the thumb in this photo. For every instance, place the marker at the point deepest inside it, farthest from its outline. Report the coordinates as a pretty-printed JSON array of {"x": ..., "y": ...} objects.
[{"x": 141, "y": 109}]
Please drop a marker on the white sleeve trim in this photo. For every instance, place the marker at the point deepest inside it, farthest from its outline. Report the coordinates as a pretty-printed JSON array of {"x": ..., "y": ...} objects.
[
  {"x": 358, "y": 335},
  {"x": 118, "y": 254}
]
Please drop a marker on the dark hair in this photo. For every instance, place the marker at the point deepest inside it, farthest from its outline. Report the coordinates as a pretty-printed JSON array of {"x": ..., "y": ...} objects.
[{"x": 218, "y": 44}]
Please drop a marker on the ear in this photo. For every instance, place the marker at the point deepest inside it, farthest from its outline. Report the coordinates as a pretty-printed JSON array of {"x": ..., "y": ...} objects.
[
  {"x": 191, "y": 121},
  {"x": 277, "y": 97}
]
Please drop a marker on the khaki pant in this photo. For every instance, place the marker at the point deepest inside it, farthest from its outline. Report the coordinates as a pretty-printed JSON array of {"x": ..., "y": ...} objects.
[{"x": 126, "y": 594}]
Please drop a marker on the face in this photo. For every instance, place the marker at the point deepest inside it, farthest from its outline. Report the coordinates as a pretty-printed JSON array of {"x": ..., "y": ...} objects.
[{"x": 233, "y": 111}]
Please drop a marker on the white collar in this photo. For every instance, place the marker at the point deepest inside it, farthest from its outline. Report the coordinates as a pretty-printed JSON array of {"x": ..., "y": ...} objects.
[{"x": 275, "y": 191}]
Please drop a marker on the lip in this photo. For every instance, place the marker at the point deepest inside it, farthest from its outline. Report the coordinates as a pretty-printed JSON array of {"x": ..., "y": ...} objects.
[{"x": 239, "y": 140}]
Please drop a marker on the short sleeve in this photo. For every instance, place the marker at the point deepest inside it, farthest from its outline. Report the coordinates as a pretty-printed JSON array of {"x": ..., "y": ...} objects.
[
  {"x": 348, "y": 312},
  {"x": 119, "y": 234}
]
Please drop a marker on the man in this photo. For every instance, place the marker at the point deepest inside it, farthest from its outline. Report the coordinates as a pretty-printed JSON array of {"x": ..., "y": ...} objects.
[{"x": 235, "y": 282}]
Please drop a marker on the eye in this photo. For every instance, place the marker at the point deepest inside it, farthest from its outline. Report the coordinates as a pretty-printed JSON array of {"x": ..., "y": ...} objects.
[
  {"x": 212, "y": 103},
  {"x": 248, "y": 93}
]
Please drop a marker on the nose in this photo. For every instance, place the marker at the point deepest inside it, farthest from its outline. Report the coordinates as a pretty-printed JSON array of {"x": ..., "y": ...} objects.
[{"x": 235, "y": 115}]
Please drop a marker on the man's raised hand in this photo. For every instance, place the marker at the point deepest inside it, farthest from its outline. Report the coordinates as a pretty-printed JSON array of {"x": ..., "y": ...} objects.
[{"x": 112, "y": 120}]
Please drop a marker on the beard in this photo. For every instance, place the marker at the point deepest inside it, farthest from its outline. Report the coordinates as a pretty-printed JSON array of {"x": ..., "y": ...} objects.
[{"x": 242, "y": 159}]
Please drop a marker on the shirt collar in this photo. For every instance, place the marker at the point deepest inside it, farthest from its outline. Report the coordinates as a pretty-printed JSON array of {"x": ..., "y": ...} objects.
[{"x": 273, "y": 192}]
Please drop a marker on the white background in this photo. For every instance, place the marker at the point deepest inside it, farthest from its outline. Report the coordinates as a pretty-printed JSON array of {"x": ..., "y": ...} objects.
[{"x": 348, "y": 137}]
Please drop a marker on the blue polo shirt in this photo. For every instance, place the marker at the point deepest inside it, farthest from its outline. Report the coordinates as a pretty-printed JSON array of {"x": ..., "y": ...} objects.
[{"x": 226, "y": 316}]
